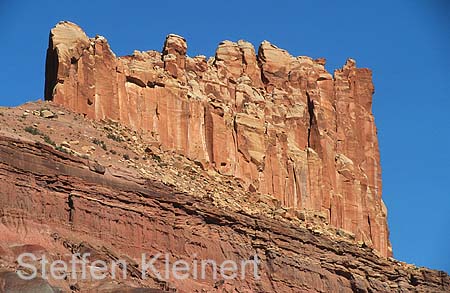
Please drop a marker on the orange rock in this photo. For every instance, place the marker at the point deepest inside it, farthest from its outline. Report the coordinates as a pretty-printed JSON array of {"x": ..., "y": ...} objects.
[{"x": 282, "y": 124}]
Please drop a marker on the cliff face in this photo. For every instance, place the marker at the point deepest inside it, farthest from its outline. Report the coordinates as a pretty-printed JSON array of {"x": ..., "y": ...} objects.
[{"x": 281, "y": 124}]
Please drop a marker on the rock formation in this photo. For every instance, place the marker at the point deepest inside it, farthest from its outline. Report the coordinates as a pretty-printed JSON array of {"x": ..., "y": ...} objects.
[
  {"x": 53, "y": 204},
  {"x": 282, "y": 124}
]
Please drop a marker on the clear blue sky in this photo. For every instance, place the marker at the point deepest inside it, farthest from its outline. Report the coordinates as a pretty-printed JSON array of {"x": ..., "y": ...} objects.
[{"x": 405, "y": 43}]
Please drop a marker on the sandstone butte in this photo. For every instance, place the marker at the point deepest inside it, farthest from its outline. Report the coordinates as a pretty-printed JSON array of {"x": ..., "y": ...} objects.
[
  {"x": 282, "y": 124},
  {"x": 241, "y": 151}
]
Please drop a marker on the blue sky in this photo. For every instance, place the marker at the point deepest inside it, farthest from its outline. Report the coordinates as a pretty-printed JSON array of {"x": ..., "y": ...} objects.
[{"x": 405, "y": 43}]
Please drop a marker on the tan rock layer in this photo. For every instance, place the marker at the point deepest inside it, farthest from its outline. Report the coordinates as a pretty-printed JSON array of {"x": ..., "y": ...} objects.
[
  {"x": 54, "y": 204},
  {"x": 282, "y": 124}
]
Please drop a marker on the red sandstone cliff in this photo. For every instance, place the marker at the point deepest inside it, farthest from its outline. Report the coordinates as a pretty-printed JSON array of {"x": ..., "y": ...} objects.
[{"x": 282, "y": 124}]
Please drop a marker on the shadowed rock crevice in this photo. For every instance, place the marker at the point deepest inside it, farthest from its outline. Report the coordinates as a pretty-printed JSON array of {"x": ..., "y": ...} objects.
[
  {"x": 51, "y": 70},
  {"x": 311, "y": 123},
  {"x": 71, "y": 208},
  {"x": 136, "y": 81}
]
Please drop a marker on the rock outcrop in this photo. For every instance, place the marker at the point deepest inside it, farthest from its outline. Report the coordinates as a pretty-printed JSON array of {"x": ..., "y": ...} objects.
[
  {"x": 281, "y": 124},
  {"x": 53, "y": 204}
]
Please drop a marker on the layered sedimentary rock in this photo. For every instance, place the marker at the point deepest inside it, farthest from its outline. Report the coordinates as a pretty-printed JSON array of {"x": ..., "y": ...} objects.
[
  {"x": 282, "y": 124},
  {"x": 53, "y": 204}
]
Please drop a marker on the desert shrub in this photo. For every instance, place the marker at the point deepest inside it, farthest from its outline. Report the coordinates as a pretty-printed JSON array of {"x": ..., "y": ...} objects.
[
  {"x": 61, "y": 149},
  {"x": 156, "y": 158},
  {"x": 126, "y": 156},
  {"x": 32, "y": 130},
  {"x": 48, "y": 140},
  {"x": 114, "y": 137},
  {"x": 100, "y": 143},
  {"x": 35, "y": 131}
]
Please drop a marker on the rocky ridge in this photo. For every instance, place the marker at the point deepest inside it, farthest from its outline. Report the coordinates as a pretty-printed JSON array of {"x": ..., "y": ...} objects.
[{"x": 73, "y": 185}]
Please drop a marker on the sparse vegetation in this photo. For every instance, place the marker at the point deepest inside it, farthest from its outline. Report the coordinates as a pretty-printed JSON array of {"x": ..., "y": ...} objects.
[
  {"x": 126, "y": 157},
  {"x": 114, "y": 137},
  {"x": 61, "y": 149},
  {"x": 32, "y": 130},
  {"x": 48, "y": 140},
  {"x": 100, "y": 143},
  {"x": 156, "y": 158}
]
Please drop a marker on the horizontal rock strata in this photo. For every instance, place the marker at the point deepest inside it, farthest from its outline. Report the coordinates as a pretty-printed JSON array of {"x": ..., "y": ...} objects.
[{"x": 52, "y": 203}]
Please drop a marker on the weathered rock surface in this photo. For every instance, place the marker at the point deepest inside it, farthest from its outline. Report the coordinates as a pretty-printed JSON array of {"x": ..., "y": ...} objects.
[
  {"x": 282, "y": 124},
  {"x": 52, "y": 203}
]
